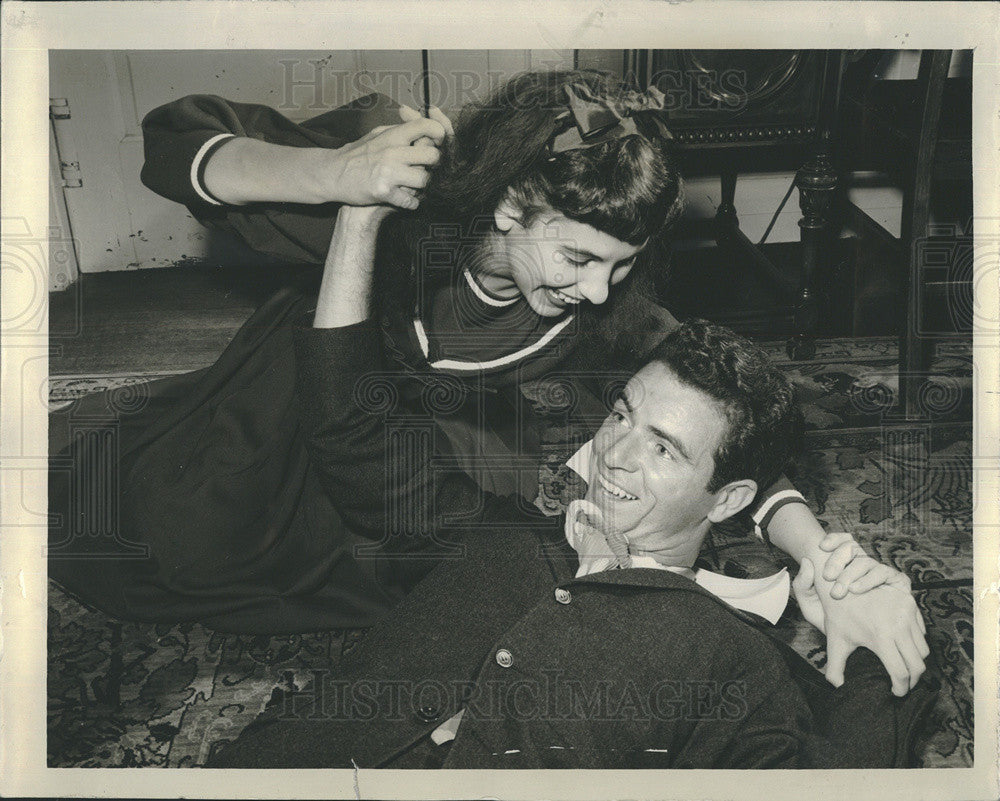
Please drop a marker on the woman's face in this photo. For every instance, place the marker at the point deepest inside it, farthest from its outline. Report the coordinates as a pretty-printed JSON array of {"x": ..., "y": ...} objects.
[{"x": 557, "y": 263}]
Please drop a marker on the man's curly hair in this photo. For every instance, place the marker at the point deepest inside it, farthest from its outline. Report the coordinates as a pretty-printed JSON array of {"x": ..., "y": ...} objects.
[{"x": 764, "y": 423}]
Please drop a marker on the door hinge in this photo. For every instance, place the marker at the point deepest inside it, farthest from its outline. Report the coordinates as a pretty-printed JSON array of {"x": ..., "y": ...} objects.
[{"x": 69, "y": 162}]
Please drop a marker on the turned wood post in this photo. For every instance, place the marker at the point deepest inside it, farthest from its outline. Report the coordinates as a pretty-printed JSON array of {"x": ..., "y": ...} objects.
[{"x": 817, "y": 182}]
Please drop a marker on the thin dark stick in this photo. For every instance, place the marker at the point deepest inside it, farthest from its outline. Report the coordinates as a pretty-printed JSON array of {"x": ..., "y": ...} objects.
[{"x": 425, "y": 64}]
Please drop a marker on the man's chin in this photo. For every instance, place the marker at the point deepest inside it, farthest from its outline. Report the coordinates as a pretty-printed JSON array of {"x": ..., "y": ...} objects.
[{"x": 619, "y": 515}]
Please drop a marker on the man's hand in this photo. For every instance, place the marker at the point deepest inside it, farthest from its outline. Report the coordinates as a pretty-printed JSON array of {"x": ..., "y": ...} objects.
[
  {"x": 390, "y": 164},
  {"x": 852, "y": 570},
  {"x": 885, "y": 620}
]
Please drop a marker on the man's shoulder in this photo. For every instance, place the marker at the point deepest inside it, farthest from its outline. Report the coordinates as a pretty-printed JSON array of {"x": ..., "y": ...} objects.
[{"x": 662, "y": 604}]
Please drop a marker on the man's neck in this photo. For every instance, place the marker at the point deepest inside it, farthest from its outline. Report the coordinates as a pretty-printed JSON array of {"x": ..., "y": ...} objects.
[{"x": 677, "y": 550}]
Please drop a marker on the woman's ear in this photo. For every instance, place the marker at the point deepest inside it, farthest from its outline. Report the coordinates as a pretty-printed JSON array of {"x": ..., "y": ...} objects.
[
  {"x": 732, "y": 498},
  {"x": 508, "y": 214}
]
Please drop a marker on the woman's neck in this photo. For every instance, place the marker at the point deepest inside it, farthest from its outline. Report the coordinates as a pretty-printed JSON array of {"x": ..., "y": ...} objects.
[{"x": 491, "y": 270}]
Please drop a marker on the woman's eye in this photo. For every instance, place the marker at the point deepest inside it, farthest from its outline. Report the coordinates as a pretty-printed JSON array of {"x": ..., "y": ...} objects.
[{"x": 576, "y": 263}]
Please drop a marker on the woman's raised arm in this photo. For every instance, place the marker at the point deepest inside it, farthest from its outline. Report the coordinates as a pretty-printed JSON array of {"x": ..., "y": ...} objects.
[
  {"x": 238, "y": 167},
  {"x": 378, "y": 168}
]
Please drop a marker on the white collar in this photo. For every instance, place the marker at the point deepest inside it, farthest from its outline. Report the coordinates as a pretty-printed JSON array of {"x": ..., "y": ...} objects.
[{"x": 766, "y": 596}]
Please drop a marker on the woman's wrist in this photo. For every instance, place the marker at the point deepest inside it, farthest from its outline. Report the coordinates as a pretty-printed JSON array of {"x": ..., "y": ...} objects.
[
  {"x": 246, "y": 170},
  {"x": 795, "y": 530},
  {"x": 323, "y": 176}
]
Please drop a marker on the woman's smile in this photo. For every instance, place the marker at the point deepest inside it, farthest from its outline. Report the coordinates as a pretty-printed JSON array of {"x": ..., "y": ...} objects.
[{"x": 560, "y": 298}]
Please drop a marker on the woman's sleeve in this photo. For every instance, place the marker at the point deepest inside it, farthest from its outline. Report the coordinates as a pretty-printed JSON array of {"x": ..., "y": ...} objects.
[
  {"x": 376, "y": 460},
  {"x": 180, "y": 137},
  {"x": 770, "y": 500}
]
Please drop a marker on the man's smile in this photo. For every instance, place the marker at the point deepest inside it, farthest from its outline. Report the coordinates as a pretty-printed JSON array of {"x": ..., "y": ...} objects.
[{"x": 614, "y": 490}]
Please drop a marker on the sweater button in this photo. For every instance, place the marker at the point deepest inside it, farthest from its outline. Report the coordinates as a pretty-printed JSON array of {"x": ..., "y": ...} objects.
[
  {"x": 563, "y": 596},
  {"x": 505, "y": 658},
  {"x": 428, "y": 713}
]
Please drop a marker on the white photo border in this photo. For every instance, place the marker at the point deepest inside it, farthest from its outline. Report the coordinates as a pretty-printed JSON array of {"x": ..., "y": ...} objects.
[{"x": 31, "y": 29}]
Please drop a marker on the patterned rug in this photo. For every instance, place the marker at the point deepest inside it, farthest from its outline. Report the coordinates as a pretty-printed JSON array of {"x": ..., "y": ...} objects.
[{"x": 129, "y": 695}]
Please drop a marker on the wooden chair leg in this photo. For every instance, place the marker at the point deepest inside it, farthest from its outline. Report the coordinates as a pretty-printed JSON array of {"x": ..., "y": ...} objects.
[
  {"x": 725, "y": 215},
  {"x": 817, "y": 182},
  {"x": 914, "y": 348}
]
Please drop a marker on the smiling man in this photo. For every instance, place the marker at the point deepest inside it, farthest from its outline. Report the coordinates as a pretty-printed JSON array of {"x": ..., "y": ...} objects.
[
  {"x": 589, "y": 641},
  {"x": 689, "y": 442}
]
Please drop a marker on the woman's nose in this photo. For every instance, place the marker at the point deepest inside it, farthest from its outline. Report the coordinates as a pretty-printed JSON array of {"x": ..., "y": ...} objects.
[{"x": 594, "y": 287}]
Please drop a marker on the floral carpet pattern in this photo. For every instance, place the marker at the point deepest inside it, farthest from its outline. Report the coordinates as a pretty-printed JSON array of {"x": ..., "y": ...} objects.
[{"x": 129, "y": 695}]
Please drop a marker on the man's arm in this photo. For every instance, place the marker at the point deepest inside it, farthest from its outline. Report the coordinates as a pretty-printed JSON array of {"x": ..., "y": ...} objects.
[{"x": 348, "y": 402}]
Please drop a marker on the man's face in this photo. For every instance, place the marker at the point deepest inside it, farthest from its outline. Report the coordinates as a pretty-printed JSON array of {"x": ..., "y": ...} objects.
[
  {"x": 652, "y": 461},
  {"x": 557, "y": 263}
]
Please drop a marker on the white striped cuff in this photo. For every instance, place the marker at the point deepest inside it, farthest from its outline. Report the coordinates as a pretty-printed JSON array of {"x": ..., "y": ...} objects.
[
  {"x": 762, "y": 517},
  {"x": 196, "y": 171}
]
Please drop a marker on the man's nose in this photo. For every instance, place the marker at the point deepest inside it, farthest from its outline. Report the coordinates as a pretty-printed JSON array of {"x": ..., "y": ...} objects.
[
  {"x": 619, "y": 455},
  {"x": 594, "y": 287}
]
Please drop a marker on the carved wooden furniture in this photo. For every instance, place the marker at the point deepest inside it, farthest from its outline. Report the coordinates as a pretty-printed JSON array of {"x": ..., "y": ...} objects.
[
  {"x": 733, "y": 111},
  {"x": 918, "y": 134}
]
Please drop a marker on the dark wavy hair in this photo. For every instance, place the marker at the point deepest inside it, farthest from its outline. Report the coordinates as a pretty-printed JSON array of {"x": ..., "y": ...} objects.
[
  {"x": 629, "y": 188},
  {"x": 764, "y": 423}
]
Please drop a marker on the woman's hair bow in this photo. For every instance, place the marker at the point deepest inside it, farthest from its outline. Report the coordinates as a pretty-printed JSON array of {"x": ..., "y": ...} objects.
[{"x": 591, "y": 120}]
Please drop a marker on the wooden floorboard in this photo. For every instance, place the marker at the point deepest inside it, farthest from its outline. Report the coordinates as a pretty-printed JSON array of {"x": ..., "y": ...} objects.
[{"x": 170, "y": 320}]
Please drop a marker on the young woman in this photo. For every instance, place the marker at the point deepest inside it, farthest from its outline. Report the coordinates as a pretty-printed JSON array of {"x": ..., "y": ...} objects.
[{"x": 520, "y": 251}]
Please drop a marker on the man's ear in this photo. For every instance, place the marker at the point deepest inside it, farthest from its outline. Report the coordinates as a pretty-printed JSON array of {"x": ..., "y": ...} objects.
[
  {"x": 732, "y": 498},
  {"x": 508, "y": 214}
]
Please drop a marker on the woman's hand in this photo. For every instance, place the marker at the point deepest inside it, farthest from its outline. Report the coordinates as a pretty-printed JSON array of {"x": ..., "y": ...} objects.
[
  {"x": 390, "y": 164},
  {"x": 885, "y": 620}
]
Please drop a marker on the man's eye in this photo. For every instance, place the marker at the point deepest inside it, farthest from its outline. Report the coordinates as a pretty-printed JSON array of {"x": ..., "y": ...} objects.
[
  {"x": 662, "y": 450},
  {"x": 617, "y": 416}
]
